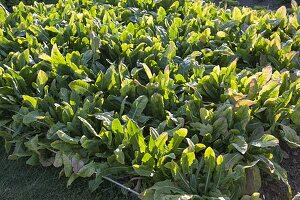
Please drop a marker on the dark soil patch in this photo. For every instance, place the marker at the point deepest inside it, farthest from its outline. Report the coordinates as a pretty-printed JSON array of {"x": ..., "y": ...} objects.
[{"x": 275, "y": 190}]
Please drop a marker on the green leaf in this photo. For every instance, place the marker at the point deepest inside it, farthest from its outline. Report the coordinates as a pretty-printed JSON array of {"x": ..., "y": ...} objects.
[
  {"x": 66, "y": 138},
  {"x": 148, "y": 71},
  {"x": 220, "y": 126},
  {"x": 5, "y": 135},
  {"x": 87, "y": 170},
  {"x": 32, "y": 101},
  {"x": 161, "y": 14},
  {"x": 33, "y": 145},
  {"x": 58, "y": 161},
  {"x": 221, "y": 34},
  {"x": 67, "y": 165},
  {"x": 264, "y": 141},
  {"x": 157, "y": 106},
  {"x": 242, "y": 118},
  {"x": 281, "y": 12},
  {"x": 88, "y": 126},
  {"x": 177, "y": 138},
  {"x": 56, "y": 57},
  {"x": 42, "y": 78},
  {"x": 137, "y": 138},
  {"x": 209, "y": 159},
  {"x": 295, "y": 116},
  {"x": 31, "y": 117},
  {"x": 160, "y": 142},
  {"x": 142, "y": 170},
  {"x": 209, "y": 165},
  {"x": 118, "y": 130},
  {"x": 161, "y": 189},
  {"x": 240, "y": 144},
  {"x": 3, "y": 14},
  {"x": 205, "y": 115},
  {"x": 71, "y": 179},
  {"x": 290, "y": 136},
  {"x": 173, "y": 29},
  {"x": 253, "y": 180},
  {"x": 120, "y": 157},
  {"x": 186, "y": 161},
  {"x": 228, "y": 24},
  {"x": 138, "y": 107},
  {"x": 170, "y": 51},
  {"x": 231, "y": 159},
  {"x": 80, "y": 86}
]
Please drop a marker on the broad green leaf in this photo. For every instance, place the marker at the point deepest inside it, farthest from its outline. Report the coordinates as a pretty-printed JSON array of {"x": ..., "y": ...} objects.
[
  {"x": 157, "y": 106},
  {"x": 240, "y": 144},
  {"x": 221, "y": 34},
  {"x": 120, "y": 157},
  {"x": 42, "y": 78},
  {"x": 58, "y": 160},
  {"x": 66, "y": 138},
  {"x": 56, "y": 57},
  {"x": 5, "y": 135},
  {"x": 186, "y": 161},
  {"x": 265, "y": 76},
  {"x": 3, "y": 14},
  {"x": 137, "y": 138},
  {"x": 253, "y": 180},
  {"x": 170, "y": 51},
  {"x": 161, "y": 14},
  {"x": 147, "y": 70},
  {"x": 209, "y": 159},
  {"x": 231, "y": 160},
  {"x": 209, "y": 165},
  {"x": 138, "y": 106},
  {"x": 177, "y": 138},
  {"x": 88, "y": 126},
  {"x": 33, "y": 145},
  {"x": 67, "y": 165},
  {"x": 264, "y": 141},
  {"x": 199, "y": 147},
  {"x": 32, "y": 101},
  {"x": 295, "y": 116},
  {"x": 161, "y": 189},
  {"x": 71, "y": 179},
  {"x": 290, "y": 136},
  {"x": 31, "y": 117},
  {"x": 242, "y": 118},
  {"x": 220, "y": 126},
  {"x": 281, "y": 12},
  {"x": 87, "y": 170},
  {"x": 229, "y": 24},
  {"x": 80, "y": 86},
  {"x": 205, "y": 115},
  {"x": 118, "y": 130},
  {"x": 142, "y": 170},
  {"x": 160, "y": 142}
]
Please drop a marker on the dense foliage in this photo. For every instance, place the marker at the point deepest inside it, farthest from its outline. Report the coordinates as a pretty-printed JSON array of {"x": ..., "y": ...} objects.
[{"x": 177, "y": 99}]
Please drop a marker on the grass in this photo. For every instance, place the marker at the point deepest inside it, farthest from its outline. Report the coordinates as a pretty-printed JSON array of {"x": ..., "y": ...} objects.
[{"x": 20, "y": 181}]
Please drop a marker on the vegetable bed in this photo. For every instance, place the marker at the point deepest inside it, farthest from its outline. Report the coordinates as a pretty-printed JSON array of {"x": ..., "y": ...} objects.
[{"x": 167, "y": 99}]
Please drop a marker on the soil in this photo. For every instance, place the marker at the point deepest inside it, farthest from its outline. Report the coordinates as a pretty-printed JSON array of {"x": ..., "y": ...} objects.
[{"x": 275, "y": 190}]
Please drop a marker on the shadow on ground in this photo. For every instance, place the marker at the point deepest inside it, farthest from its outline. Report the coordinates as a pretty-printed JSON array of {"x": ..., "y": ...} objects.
[{"x": 20, "y": 181}]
